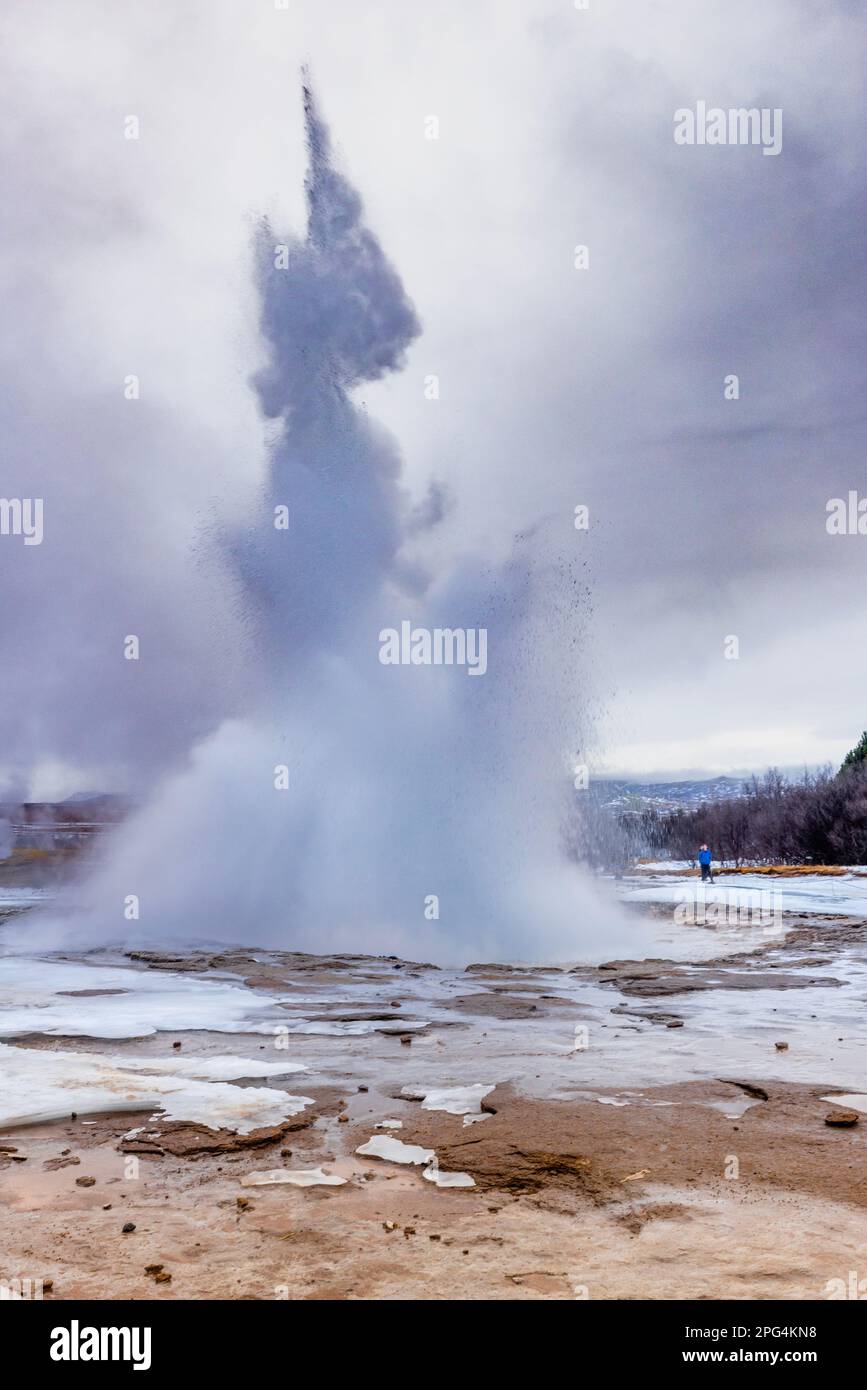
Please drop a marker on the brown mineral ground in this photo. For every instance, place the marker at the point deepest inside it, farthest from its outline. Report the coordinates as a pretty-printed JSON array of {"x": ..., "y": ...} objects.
[{"x": 640, "y": 1162}]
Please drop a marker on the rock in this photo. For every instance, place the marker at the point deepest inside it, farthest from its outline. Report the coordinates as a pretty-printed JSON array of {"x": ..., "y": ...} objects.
[
  {"x": 127, "y": 1227},
  {"x": 107, "y": 1206},
  {"x": 176, "y": 1046},
  {"x": 389, "y": 1225},
  {"x": 47, "y": 1285},
  {"x": 842, "y": 1119},
  {"x": 182, "y": 1139},
  {"x": 52, "y": 1164},
  {"x": 781, "y": 1046},
  {"x": 674, "y": 1023},
  {"x": 242, "y": 1203},
  {"x": 363, "y": 1088},
  {"x": 154, "y": 1269},
  {"x": 343, "y": 1119},
  {"x": 163, "y": 1277},
  {"x": 85, "y": 1182}
]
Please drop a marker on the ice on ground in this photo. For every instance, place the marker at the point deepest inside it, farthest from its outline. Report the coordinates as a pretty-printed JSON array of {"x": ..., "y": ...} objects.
[
  {"x": 434, "y": 1174},
  {"x": 394, "y": 1150},
  {"x": 297, "y": 1177},
  {"x": 39, "y": 1086},
  {"x": 454, "y": 1100},
  {"x": 388, "y": 1124},
  {"x": 46, "y": 996}
]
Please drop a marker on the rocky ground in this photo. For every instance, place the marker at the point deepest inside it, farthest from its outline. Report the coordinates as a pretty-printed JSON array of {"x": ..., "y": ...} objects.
[{"x": 636, "y": 1139}]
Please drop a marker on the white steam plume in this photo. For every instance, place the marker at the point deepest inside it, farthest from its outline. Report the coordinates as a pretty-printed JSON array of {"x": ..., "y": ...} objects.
[{"x": 406, "y": 783}]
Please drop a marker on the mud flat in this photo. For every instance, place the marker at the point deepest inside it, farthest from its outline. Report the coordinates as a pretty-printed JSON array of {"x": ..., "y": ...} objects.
[{"x": 653, "y": 1128}]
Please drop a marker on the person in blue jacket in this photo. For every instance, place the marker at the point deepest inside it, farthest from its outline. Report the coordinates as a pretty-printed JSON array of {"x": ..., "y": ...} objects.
[{"x": 704, "y": 859}]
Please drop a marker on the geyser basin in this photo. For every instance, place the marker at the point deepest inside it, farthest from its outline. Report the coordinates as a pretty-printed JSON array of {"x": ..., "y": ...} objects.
[{"x": 365, "y": 804}]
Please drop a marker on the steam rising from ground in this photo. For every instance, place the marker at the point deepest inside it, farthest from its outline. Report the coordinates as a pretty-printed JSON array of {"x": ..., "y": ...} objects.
[{"x": 405, "y": 784}]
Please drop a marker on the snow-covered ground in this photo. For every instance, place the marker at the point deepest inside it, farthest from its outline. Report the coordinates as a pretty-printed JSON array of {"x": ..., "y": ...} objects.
[
  {"x": 566, "y": 1049},
  {"x": 338, "y": 1026},
  {"x": 845, "y": 894},
  {"x": 40, "y": 1086},
  {"x": 77, "y": 999}
]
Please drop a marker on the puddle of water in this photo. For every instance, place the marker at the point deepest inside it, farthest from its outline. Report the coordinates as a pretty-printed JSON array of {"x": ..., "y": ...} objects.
[
  {"x": 731, "y": 1108},
  {"x": 31, "y": 1187},
  {"x": 852, "y": 1101}
]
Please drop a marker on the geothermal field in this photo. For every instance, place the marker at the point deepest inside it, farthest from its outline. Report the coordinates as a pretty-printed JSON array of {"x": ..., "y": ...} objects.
[
  {"x": 242, "y": 1122},
  {"x": 433, "y": 816}
]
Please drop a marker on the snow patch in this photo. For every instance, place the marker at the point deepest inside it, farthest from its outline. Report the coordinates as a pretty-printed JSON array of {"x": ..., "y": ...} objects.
[
  {"x": 297, "y": 1177},
  {"x": 40, "y": 1086},
  {"x": 394, "y": 1150},
  {"x": 454, "y": 1100},
  {"x": 434, "y": 1174},
  {"x": 44, "y": 996}
]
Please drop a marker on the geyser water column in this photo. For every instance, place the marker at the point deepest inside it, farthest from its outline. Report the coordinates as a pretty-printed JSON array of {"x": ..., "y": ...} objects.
[
  {"x": 410, "y": 803},
  {"x": 333, "y": 315}
]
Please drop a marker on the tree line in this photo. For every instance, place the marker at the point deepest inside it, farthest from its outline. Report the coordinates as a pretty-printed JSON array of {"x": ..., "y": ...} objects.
[{"x": 819, "y": 819}]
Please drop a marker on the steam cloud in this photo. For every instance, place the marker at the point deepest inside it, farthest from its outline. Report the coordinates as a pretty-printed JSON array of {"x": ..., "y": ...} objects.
[{"x": 405, "y": 783}]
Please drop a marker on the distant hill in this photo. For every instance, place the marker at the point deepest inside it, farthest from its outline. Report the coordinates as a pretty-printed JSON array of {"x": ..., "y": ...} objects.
[
  {"x": 40, "y": 841},
  {"x": 666, "y": 795},
  {"x": 93, "y": 809}
]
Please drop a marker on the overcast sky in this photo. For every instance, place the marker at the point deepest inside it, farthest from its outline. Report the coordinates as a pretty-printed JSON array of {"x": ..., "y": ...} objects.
[{"x": 557, "y": 386}]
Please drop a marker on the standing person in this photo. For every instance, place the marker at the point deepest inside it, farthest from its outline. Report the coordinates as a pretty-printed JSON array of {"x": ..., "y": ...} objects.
[{"x": 704, "y": 859}]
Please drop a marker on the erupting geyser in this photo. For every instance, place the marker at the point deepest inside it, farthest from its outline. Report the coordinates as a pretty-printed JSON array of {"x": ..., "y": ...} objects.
[{"x": 366, "y": 803}]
